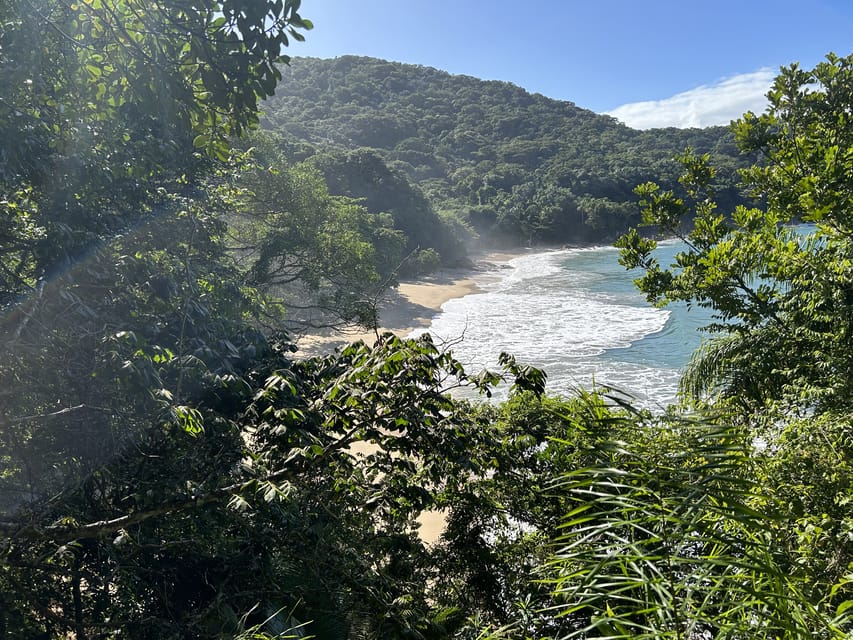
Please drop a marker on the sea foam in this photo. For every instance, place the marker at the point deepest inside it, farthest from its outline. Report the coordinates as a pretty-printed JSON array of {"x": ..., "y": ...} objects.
[{"x": 569, "y": 312}]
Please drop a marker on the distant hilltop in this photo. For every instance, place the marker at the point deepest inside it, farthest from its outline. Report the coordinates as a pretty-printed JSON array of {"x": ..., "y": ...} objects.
[{"x": 502, "y": 163}]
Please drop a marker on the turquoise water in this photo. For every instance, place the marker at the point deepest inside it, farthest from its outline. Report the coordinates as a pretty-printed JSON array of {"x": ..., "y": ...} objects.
[
  {"x": 576, "y": 314},
  {"x": 682, "y": 333}
]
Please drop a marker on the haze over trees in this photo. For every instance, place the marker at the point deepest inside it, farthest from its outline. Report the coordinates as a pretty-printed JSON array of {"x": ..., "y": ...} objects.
[
  {"x": 510, "y": 166},
  {"x": 168, "y": 469}
]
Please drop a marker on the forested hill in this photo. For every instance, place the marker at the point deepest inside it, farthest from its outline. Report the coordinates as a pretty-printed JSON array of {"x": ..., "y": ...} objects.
[{"x": 510, "y": 165}]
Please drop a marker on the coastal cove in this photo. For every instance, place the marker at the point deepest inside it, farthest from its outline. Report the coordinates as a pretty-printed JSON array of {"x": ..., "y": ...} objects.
[
  {"x": 184, "y": 453},
  {"x": 576, "y": 314},
  {"x": 598, "y": 329}
]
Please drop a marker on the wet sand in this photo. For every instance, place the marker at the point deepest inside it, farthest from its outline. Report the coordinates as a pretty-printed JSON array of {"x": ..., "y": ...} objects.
[
  {"x": 409, "y": 306},
  {"x": 414, "y": 303}
]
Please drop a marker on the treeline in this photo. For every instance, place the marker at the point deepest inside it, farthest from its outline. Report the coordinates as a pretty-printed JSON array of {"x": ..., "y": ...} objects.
[
  {"x": 509, "y": 166},
  {"x": 169, "y": 469}
]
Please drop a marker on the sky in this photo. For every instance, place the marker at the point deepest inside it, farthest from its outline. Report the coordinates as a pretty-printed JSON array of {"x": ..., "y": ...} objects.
[{"x": 648, "y": 63}]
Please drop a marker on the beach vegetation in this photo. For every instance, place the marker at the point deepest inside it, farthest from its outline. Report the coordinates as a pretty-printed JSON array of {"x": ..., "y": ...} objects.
[{"x": 170, "y": 469}]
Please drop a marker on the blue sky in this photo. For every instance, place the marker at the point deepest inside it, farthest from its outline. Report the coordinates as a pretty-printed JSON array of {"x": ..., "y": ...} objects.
[{"x": 649, "y": 63}]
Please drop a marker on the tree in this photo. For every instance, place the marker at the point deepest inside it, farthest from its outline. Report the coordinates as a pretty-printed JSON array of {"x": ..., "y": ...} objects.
[
  {"x": 466, "y": 144},
  {"x": 108, "y": 102},
  {"x": 123, "y": 317},
  {"x": 363, "y": 174},
  {"x": 781, "y": 292},
  {"x": 145, "y": 545},
  {"x": 325, "y": 259},
  {"x": 180, "y": 65},
  {"x": 111, "y": 254},
  {"x": 779, "y": 281}
]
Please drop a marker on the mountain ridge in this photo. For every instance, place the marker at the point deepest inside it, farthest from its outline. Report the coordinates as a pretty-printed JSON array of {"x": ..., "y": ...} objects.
[{"x": 505, "y": 164}]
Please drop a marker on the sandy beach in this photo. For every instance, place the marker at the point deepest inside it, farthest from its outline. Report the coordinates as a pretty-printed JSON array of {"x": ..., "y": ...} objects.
[{"x": 412, "y": 304}]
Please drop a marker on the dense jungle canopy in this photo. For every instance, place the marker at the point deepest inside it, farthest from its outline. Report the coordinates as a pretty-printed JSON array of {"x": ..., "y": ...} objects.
[
  {"x": 170, "y": 469},
  {"x": 505, "y": 164}
]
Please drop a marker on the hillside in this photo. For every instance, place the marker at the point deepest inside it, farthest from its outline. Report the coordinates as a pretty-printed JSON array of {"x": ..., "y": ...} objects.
[{"x": 506, "y": 164}]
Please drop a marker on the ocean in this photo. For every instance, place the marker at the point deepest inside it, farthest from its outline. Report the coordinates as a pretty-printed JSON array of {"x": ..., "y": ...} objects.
[{"x": 576, "y": 314}]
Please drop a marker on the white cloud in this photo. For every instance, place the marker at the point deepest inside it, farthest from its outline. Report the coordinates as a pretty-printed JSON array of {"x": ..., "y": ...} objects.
[{"x": 703, "y": 106}]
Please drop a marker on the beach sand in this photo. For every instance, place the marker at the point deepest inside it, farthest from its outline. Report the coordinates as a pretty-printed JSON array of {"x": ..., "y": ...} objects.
[
  {"x": 413, "y": 304},
  {"x": 409, "y": 306}
]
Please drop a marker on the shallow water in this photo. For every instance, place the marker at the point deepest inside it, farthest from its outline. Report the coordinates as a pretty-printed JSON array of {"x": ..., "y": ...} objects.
[{"x": 576, "y": 314}]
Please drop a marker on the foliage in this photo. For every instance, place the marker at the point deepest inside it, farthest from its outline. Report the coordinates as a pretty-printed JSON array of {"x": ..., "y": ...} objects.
[
  {"x": 168, "y": 470},
  {"x": 362, "y": 174},
  {"x": 781, "y": 293},
  {"x": 107, "y": 104},
  {"x": 779, "y": 363},
  {"x": 170, "y": 70},
  {"x": 326, "y": 259},
  {"x": 514, "y": 167},
  {"x": 325, "y": 465},
  {"x": 665, "y": 541}
]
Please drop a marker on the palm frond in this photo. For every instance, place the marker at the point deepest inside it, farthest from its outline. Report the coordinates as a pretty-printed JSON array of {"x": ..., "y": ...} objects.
[
  {"x": 666, "y": 542},
  {"x": 708, "y": 366}
]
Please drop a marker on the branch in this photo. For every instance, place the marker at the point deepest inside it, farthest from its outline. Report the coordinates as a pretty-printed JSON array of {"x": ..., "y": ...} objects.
[
  {"x": 54, "y": 414},
  {"x": 64, "y": 533}
]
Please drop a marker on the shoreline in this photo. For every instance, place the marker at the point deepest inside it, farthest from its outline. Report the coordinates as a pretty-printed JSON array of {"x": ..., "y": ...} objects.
[{"x": 413, "y": 304}]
